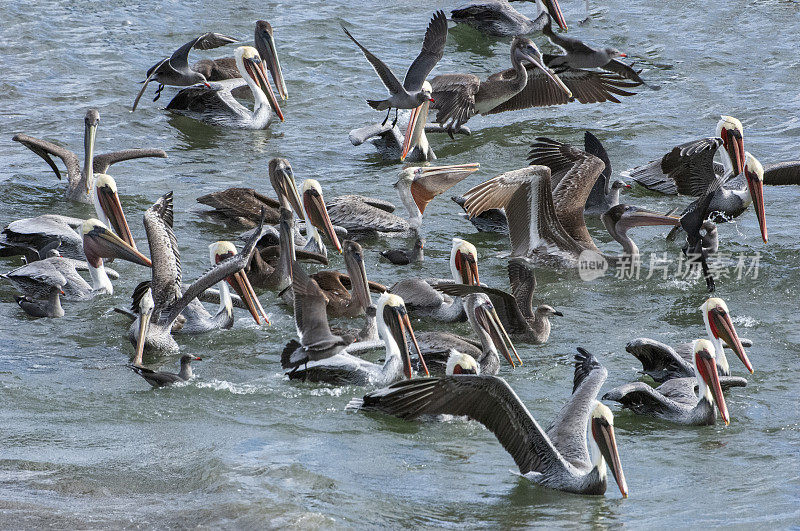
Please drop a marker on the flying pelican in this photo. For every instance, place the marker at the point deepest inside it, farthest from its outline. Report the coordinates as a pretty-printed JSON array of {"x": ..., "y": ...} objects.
[
  {"x": 406, "y": 256},
  {"x": 416, "y": 186},
  {"x": 547, "y": 225},
  {"x": 497, "y": 18},
  {"x": 663, "y": 363},
  {"x": 80, "y": 181},
  {"x": 244, "y": 205},
  {"x": 675, "y": 399},
  {"x": 214, "y": 104},
  {"x": 689, "y": 169},
  {"x": 162, "y": 301},
  {"x": 571, "y": 455},
  {"x": 410, "y": 94},
  {"x": 492, "y": 340},
  {"x": 459, "y": 97},
  {"x": 424, "y": 300},
  {"x": 175, "y": 70},
  {"x": 225, "y": 67},
  {"x": 163, "y": 379},
  {"x": 30, "y": 236},
  {"x": 516, "y": 312},
  {"x": 320, "y": 356}
]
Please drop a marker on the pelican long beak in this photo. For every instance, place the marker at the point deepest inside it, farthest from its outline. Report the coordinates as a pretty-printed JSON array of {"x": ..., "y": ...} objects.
[
  {"x": 415, "y": 129},
  {"x": 89, "y": 135},
  {"x": 358, "y": 278},
  {"x": 490, "y": 322},
  {"x": 756, "y": 188},
  {"x": 265, "y": 44},
  {"x": 467, "y": 265},
  {"x": 288, "y": 189},
  {"x": 555, "y": 11},
  {"x": 144, "y": 326},
  {"x": 603, "y": 433},
  {"x": 553, "y": 77},
  {"x": 707, "y": 367},
  {"x": 641, "y": 217},
  {"x": 317, "y": 215},
  {"x": 722, "y": 328},
  {"x": 255, "y": 69},
  {"x": 397, "y": 319},
  {"x": 100, "y": 242},
  {"x": 109, "y": 202},
  {"x": 733, "y": 143},
  {"x": 431, "y": 181},
  {"x": 241, "y": 284}
]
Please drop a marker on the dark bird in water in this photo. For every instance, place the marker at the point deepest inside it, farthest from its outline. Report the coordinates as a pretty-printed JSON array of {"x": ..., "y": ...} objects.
[
  {"x": 406, "y": 256},
  {"x": 496, "y": 18},
  {"x": 163, "y": 379}
]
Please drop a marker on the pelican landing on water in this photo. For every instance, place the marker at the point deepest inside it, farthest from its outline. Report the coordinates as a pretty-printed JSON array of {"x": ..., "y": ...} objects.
[
  {"x": 214, "y": 104},
  {"x": 80, "y": 181}
]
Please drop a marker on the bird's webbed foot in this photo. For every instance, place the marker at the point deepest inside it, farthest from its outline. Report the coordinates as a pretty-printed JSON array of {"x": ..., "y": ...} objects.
[{"x": 158, "y": 91}]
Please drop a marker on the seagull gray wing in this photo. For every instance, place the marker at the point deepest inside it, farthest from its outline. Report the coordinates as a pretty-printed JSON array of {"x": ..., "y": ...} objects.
[
  {"x": 623, "y": 70},
  {"x": 389, "y": 79},
  {"x": 45, "y": 149},
  {"x": 432, "y": 52},
  {"x": 180, "y": 58},
  {"x": 487, "y": 399}
]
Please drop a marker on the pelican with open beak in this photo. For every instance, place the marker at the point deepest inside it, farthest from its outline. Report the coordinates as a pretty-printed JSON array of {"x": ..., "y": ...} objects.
[
  {"x": 415, "y": 131},
  {"x": 417, "y": 186},
  {"x": 317, "y": 219},
  {"x": 100, "y": 242},
  {"x": 486, "y": 317},
  {"x": 720, "y": 328},
  {"x": 108, "y": 207}
]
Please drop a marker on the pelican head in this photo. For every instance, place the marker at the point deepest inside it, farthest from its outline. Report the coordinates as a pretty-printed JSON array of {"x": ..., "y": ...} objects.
[
  {"x": 524, "y": 49},
  {"x": 99, "y": 242},
  {"x": 729, "y": 129},
  {"x": 754, "y": 174},
  {"x": 250, "y": 65},
  {"x": 393, "y": 322},
  {"x": 601, "y": 429},
  {"x": 719, "y": 325},
  {"x": 554, "y": 10},
  {"x": 481, "y": 311},
  {"x": 218, "y": 253},
  {"x": 107, "y": 205},
  {"x": 705, "y": 369},
  {"x": 464, "y": 262},
  {"x": 621, "y": 218},
  {"x": 145, "y": 306},
  {"x": 317, "y": 212},
  {"x": 416, "y": 122},
  {"x": 354, "y": 261},
  {"x": 281, "y": 176},
  {"x": 458, "y": 363},
  {"x": 418, "y": 185},
  {"x": 90, "y": 121},
  {"x": 265, "y": 44}
]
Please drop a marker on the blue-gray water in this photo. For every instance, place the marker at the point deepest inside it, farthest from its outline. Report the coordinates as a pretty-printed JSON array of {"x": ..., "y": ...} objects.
[{"x": 86, "y": 443}]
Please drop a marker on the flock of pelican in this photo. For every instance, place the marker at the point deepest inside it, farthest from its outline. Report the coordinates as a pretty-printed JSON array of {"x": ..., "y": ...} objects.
[{"x": 541, "y": 207}]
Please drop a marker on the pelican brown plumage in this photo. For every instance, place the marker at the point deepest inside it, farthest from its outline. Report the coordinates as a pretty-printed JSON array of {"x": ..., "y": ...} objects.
[
  {"x": 497, "y": 18},
  {"x": 335, "y": 285},
  {"x": 80, "y": 181},
  {"x": 214, "y": 104},
  {"x": 571, "y": 455}
]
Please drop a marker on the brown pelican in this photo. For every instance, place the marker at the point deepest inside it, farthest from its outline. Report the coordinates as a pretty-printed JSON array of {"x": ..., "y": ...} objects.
[
  {"x": 497, "y": 18},
  {"x": 98, "y": 243},
  {"x": 406, "y": 256},
  {"x": 225, "y": 67},
  {"x": 244, "y": 205},
  {"x": 663, "y": 363},
  {"x": 163, "y": 379},
  {"x": 214, "y": 104},
  {"x": 689, "y": 169},
  {"x": 459, "y": 97},
  {"x": 571, "y": 455},
  {"x": 276, "y": 275},
  {"x": 163, "y": 300},
  {"x": 416, "y": 186},
  {"x": 317, "y": 218},
  {"x": 782, "y": 173},
  {"x": 320, "y": 356},
  {"x": 577, "y": 54},
  {"x": 340, "y": 301},
  {"x": 516, "y": 312},
  {"x": 29, "y": 236},
  {"x": 410, "y": 94},
  {"x": 492, "y": 340},
  {"x": 423, "y": 300},
  {"x": 547, "y": 225},
  {"x": 675, "y": 400},
  {"x": 80, "y": 181}
]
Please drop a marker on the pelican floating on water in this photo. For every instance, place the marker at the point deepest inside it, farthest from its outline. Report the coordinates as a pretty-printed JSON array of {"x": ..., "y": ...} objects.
[
  {"x": 497, "y": 18},
  {"x": 214, "y": 104},
  {"x": 80, "y": 181},
  {"x": 675, "y": 400},
  {"x": 571, "y": 455},
  {"x": 416, "y": 186}
]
